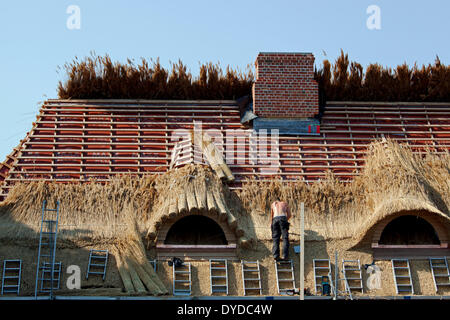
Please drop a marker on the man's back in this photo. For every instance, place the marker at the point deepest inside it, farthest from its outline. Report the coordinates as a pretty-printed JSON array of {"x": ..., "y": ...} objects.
[{"x": 280, "y": 208}]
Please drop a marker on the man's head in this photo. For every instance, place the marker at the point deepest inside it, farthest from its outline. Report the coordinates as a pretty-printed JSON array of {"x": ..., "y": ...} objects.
[{"x": 277, "y": 198}]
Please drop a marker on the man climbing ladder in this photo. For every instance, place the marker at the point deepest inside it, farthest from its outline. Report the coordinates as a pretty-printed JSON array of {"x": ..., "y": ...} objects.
[{"x": 280, "y": 214}]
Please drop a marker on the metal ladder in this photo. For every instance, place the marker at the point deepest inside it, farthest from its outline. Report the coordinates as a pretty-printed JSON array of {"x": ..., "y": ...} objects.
[
  {"x": 351, "y": 270},
  {"x": 251, "y": 277},
  {"x": 47, "y": 245},
  {"x": 12, "y": 270},
  {"x": 182, "y": 284},
  {"x": 322, "y": 267},
  {"x": 218, "y": 273},
  {"x": 402, "y": 276},
  {"x": 440, "y": 271},
  {"x": 46, "y": 277},
  {"x": 98, "y": 259},
  {"x": 284, "y": 272}
]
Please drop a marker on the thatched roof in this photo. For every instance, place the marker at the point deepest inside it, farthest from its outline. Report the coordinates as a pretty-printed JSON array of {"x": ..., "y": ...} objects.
[
  {"x": 98, "y": 139},
  {"x": 393, "y": 180},
  {"x": 193, "y": 189}
]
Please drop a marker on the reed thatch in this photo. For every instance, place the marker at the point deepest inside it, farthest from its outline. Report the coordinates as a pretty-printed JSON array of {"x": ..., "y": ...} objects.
[
  {"x": 393, "y": 180},
  {"x": 347, "y": 80},
  {"x": 97, "y": 77},
  {"x": 195, "y": 189},
  {"x": 123, "y": 212}
]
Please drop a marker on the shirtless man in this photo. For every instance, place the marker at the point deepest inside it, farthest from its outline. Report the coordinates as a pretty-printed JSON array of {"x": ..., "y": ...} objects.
[{"x": 280, "y": 214}]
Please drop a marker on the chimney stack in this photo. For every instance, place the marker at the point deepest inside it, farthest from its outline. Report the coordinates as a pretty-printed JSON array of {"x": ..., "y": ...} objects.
[{"x": 285, "y": 86}]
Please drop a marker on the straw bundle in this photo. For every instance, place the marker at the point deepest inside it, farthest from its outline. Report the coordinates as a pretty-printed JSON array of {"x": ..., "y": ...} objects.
[{"x": 212, "y": 154}]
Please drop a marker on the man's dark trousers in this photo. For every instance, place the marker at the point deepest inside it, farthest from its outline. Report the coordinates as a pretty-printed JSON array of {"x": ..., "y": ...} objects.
[{"x": 280, "y": 227}]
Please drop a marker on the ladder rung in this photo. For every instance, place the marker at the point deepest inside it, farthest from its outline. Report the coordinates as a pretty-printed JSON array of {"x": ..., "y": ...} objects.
[
  {"x": 182, "y": 272},
  {"x": 442, "y": 275},
  {"x": 251, "y": 270},
  {"x": 93, "y": 272},
  {"x": 219, "y": 277},
  {"x": 284, "y": 270},
  {"x": 98, "y": 257},
  {"x": 256, "y": 288},
  {"x": 97, "y": 265},
  {"x": 186, "y": 281},
  {"x": 285, "y": 280},
  {"x": 354, "y": 279},
  {"x": 403, "y": 285},
  {"x": 10, "y": 286},
  {"x": 252, "y": 279},
  {"x": 11, "y": 277},
  {"x": 441, "y": 267}
]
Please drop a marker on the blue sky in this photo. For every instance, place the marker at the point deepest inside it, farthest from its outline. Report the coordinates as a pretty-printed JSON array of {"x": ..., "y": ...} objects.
[{"x": 35, "y": 40}]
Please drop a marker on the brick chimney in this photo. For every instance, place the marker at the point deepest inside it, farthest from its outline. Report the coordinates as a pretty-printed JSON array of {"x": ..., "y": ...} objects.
[{"x": 285, "y": 86}]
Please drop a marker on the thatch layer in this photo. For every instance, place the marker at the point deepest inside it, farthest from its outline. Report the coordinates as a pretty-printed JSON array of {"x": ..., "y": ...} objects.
[
  {"x": 195, "y": 189},
  {"x": 394, "y": 179},
  {"x": 90, "y": 211},
  {"x": 348, "y": 81},
  {"x": 97, "y": 77}
]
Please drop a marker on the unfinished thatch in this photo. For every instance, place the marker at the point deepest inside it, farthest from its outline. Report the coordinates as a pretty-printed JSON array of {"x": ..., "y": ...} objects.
[
  {"x": 195, "y": 189},
  {"x": 120, "y": 214},
  {"x": 394, "y": 179},
  {"x": 89, "y": 211}
]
